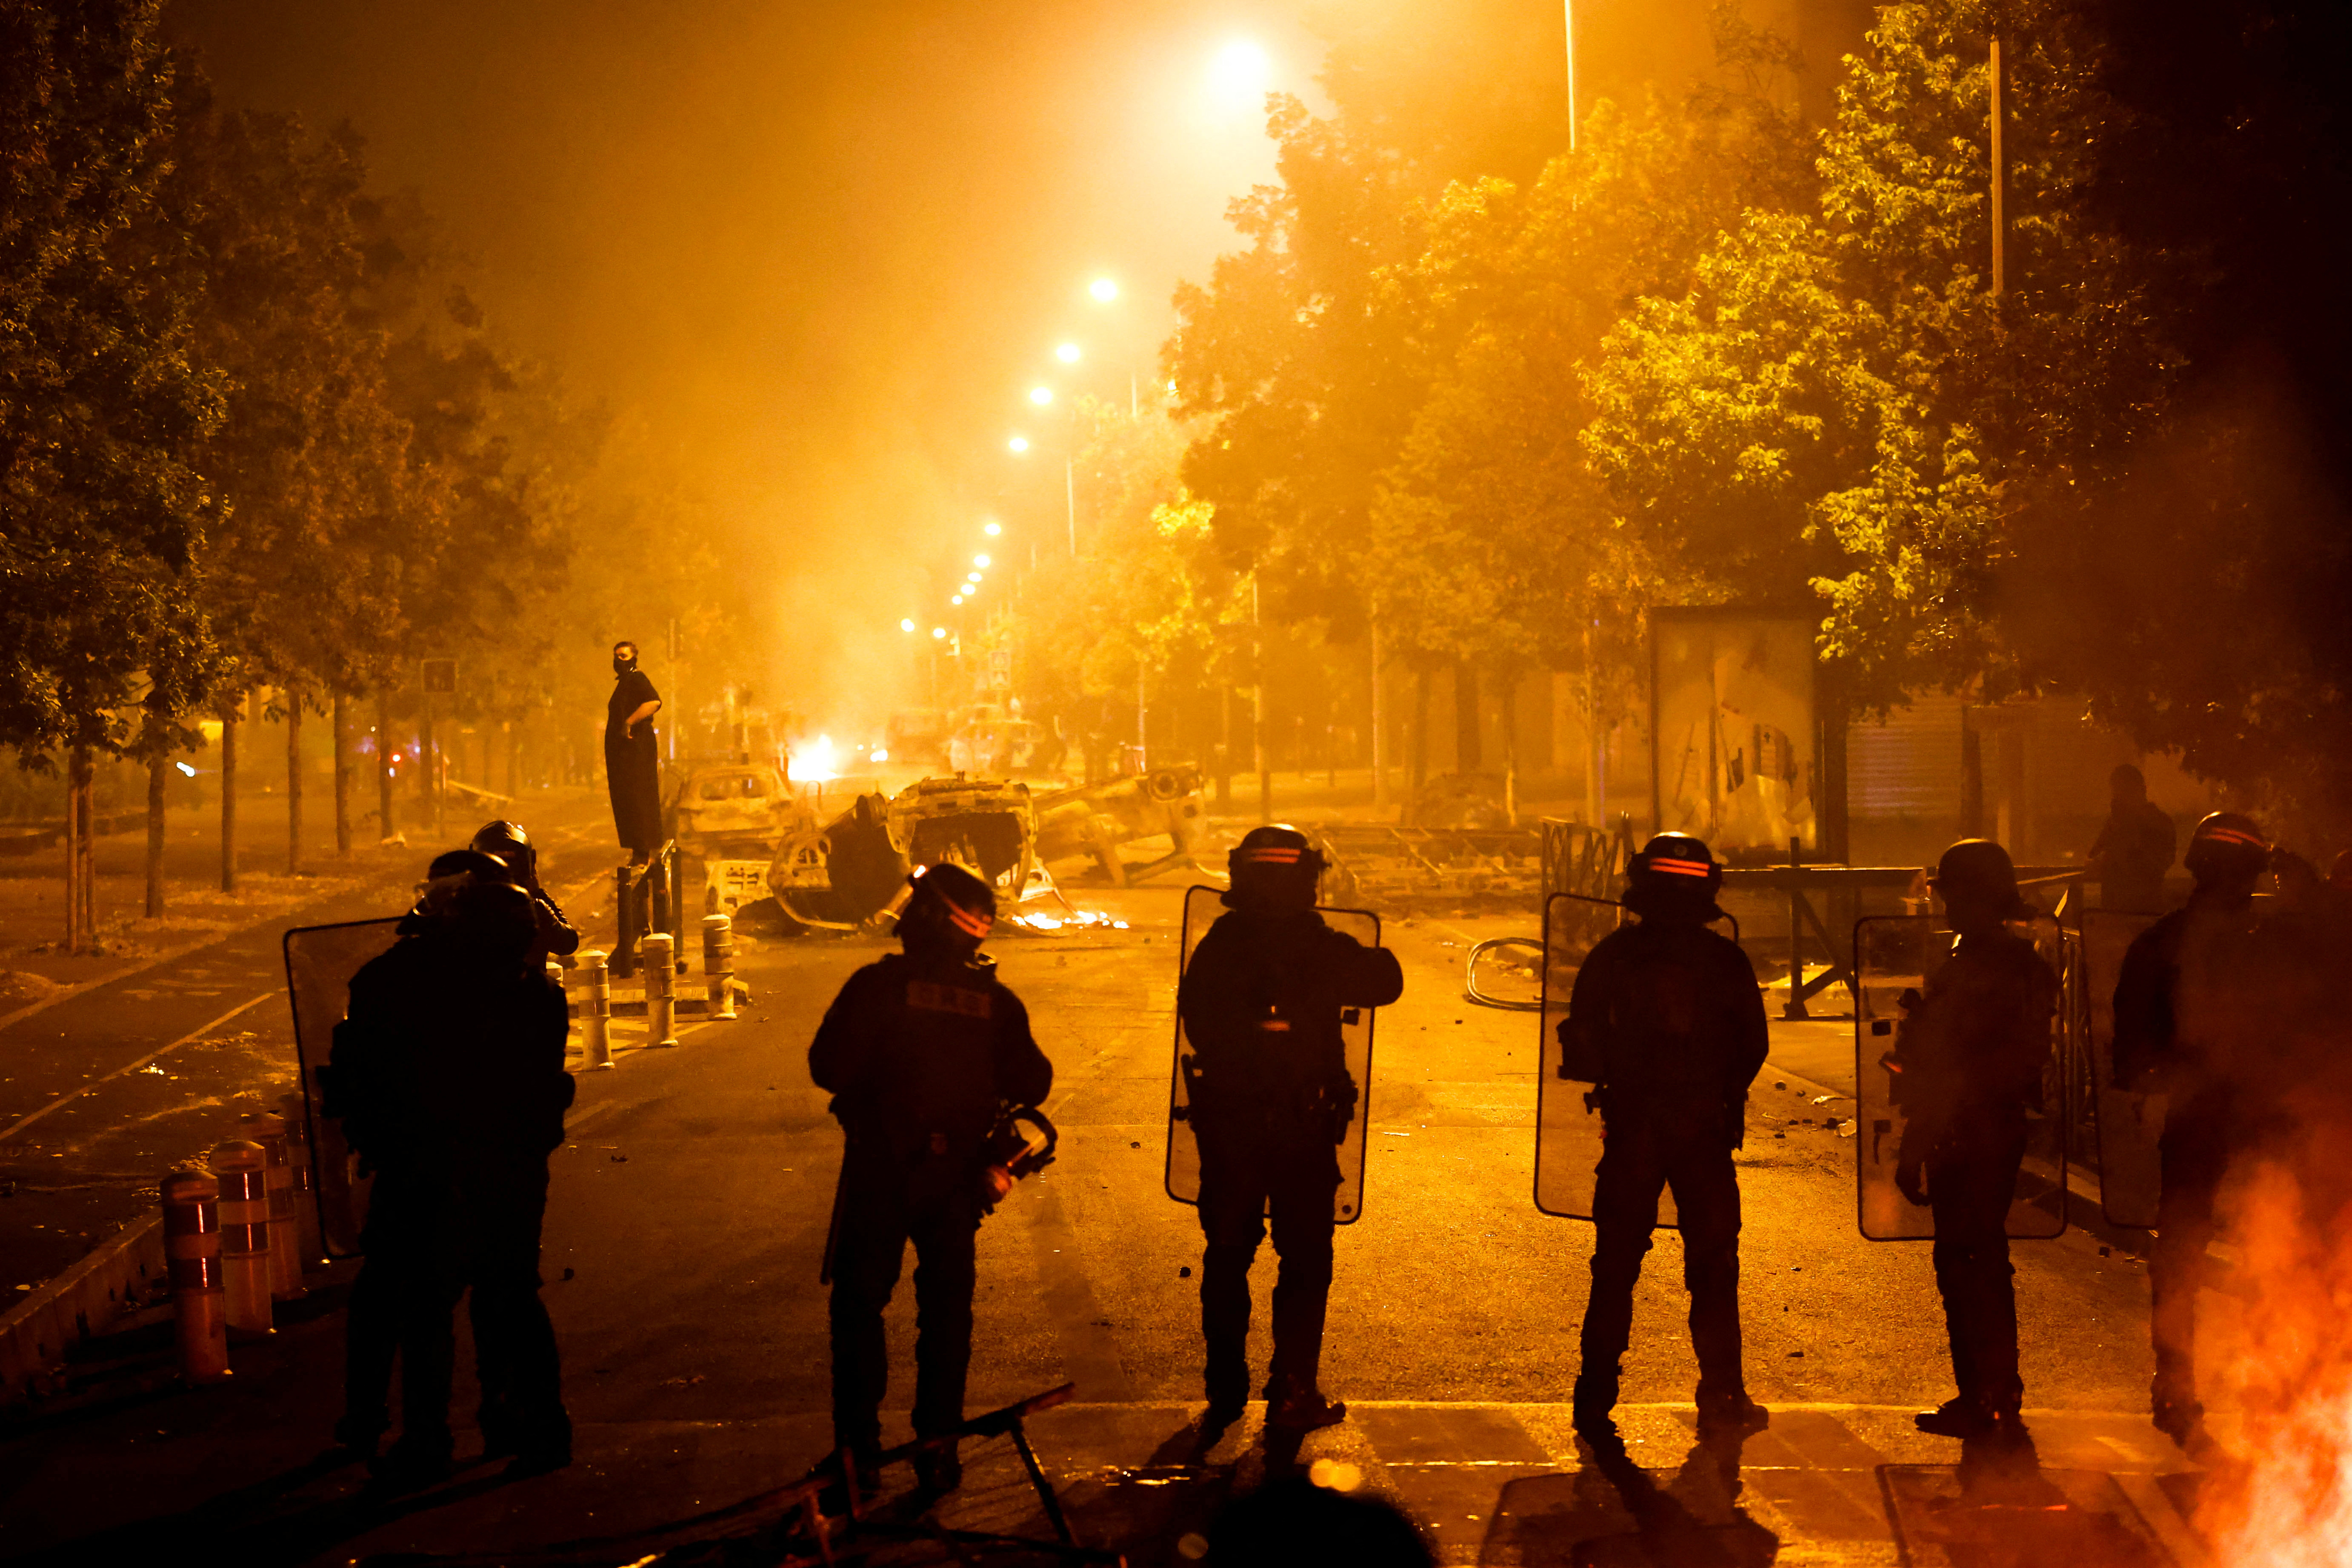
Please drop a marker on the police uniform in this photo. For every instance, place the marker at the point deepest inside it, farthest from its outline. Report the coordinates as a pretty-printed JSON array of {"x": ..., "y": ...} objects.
[
  {"x": 1270, "y": 1100},
  {"x": 1666, "y": 1019},
  {"x": 506, "y": 843},
  {"x": 1970, "y": 1051},
  {"x": 2186, "y": 992},
  {"x": 448, "y": 1075},
  {"x": 921, "y": 1052}
]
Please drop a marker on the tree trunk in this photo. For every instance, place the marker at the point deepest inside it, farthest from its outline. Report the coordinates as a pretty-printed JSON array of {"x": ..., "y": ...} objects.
[
  {"x": 1420, "y": 729},
  {"x": 1510, "y": 752},
  {"x": 429, "y": 771},
  {"x": 229, "y": 716},
  {"x": 384, "y": 814},
  {"x": 77, "y": 859},
  {"x": 1466, "y": 753},
  {"x": 1224, "y": 796},
  {"x": 340, "y": 721},
  {"x": 293, "y": 781},
  {"x": 1257, "y": 710},
  {"x": 159, "y": 773},
  {"x": 1379, "y": 726}
]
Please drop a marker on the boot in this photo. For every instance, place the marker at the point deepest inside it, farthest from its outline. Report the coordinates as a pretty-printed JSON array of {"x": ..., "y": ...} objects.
[
  {"x": 939, "y": 1471},
  {"x": 1301, "y": 1407},
  {"x": 1730, "y": 1416}
]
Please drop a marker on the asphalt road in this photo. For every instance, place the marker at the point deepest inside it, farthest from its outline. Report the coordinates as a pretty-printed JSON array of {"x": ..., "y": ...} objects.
[
  {"x": 689, "y": 1205},
  {"x": 105, "y": 1090}
]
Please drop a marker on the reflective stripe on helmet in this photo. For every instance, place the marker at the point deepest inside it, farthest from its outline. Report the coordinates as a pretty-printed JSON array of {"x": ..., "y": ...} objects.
[
  {"x": 1682, "y": 867},
  {"x": 971, "y": 924},
  {"x": 2234, "y": 835},
  {"x": 1272, "y": 855}
]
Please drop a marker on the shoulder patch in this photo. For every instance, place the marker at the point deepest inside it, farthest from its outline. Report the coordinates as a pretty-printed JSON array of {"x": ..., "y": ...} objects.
[{"x": 931, "y": 997}]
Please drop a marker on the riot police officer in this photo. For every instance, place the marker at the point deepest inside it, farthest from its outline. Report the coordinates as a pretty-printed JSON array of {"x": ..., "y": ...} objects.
[
  {"x": 2172, "y": 1004},
  {"x": 1666, "y": 1021},
  {"x": 921, "y": 1052},
  {"x": 1271, "y": 1100},
  {"x": 506, "y": 843},
  {"x": 1969, "y": 1054},
  {"x": 447, "y": 1074}
]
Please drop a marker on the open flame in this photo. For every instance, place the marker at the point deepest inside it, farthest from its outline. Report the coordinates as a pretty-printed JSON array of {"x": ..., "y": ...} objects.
[
  {"x": 813, "y": 763},
  {"x": 2286, "y": 1501}
]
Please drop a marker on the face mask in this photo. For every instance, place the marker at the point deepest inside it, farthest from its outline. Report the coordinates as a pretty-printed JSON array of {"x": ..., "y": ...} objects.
[{"x": 623, "y": 666}]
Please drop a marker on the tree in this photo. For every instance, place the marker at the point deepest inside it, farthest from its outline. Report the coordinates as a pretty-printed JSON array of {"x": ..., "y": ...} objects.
[
  {"x": 311, "y": 456},
  {"x": 1842, "y": 408},
  {"x": 1495, "y": 544},
  {"x": 102, "y": 514}
]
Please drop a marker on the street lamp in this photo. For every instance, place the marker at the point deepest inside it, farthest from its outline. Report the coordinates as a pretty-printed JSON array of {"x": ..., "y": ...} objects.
[
  {"x": 1041, "y": 395},
  {"x": 1103, "y": 289},
  {"x": 1019, "y": 443},
  {"x": 992, "y": 530},
  {"x": 938, "y": 632},
  {"x": 908, "y": 625},
  {"x": 980, "y": 561},
  {"x": 1068, "y": 353},
  {"x": 957, "y": 600}
]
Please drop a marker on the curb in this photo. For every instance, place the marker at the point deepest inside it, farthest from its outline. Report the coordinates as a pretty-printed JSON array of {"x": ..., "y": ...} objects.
[{"x": 66, "y": 1309}]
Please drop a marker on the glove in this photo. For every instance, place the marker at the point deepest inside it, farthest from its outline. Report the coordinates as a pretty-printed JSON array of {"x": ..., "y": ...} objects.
[{"x": 1911, "y": 1178}]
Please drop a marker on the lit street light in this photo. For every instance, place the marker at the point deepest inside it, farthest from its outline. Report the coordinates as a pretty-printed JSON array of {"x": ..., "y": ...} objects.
[
  {"x": 1019, "y": 443},
  {"x": 939, "y": 631},
  {"x": 973, "y": 577},
  {"x": 980, "y": 561},
  {"x": 993, "y": 529},
  {"x": 957, "y": 600},
  {"x": 1104, "y": 290},
  {"x": 1068, "y": 353},
  {"x": 1041, "y": 395},
  {"x": 906, "y": 626}
]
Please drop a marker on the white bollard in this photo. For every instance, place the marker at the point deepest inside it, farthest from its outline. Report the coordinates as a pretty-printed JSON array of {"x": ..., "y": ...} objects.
[
  {"x": 595, "y": 1009},
  {"x": 661, "y": 989},
  {"x": 243, "y": 1168},
  {"x": 719, "y": 963},
  {"x": 191, "y": 1247}
]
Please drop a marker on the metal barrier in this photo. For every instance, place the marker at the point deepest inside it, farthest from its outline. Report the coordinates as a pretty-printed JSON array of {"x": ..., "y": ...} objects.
[
  {"x": 646, "y": 899},
  {"x": 1586, "y": 861}
]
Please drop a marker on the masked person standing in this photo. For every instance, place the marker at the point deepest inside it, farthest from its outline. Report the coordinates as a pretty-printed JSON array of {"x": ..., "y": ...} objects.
[
  {"x": 2173, "y": 1001},
  {"x": 2133, "y": 849},
  {"x": 1969, "y": 1054},
  {"x": 447, "y": 1074},
  {"x": 1271, "y": 1100},
  {"x": 633, "y": 756},
  {"x": 921, "y": 1052},
  {"x": 506, "y": 843},
  {"x": 1666, "y": 1021}
]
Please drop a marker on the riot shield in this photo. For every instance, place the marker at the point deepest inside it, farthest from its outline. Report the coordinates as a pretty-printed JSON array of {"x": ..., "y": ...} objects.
[
  {"x": 319, "y": 964},
  {"x": 1567, "y": 1128},
  {"x": 1897, "y": 953},
  {"x": 1202, "y": 908},
  {"x": 2129, "y": 1124}
]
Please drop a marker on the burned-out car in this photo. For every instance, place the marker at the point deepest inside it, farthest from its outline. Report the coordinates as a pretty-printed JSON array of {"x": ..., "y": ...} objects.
[
  {"x": 847, "y": 872},
  {"x": 732, "y": 809}
]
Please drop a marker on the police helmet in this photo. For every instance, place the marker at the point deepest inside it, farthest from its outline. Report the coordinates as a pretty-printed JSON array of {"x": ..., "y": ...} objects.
[
  {"x": 1673, "y": 874},
  {"x": 2227, "y": 847},
  {"x": 1275, "y": 865},
  {"x": 476, "y": 908},
  {"x": 1980, "y": 869},
  {"x": 947, "y": 907},
  {"x": 507, "y": 841}
]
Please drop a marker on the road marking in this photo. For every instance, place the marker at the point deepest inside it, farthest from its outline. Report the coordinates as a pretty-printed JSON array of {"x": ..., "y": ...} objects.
[{"x": 22, "y": 1122}]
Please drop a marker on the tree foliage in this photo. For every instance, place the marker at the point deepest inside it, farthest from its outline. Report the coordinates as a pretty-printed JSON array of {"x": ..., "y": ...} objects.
[{"x": 103, "y": 394}]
